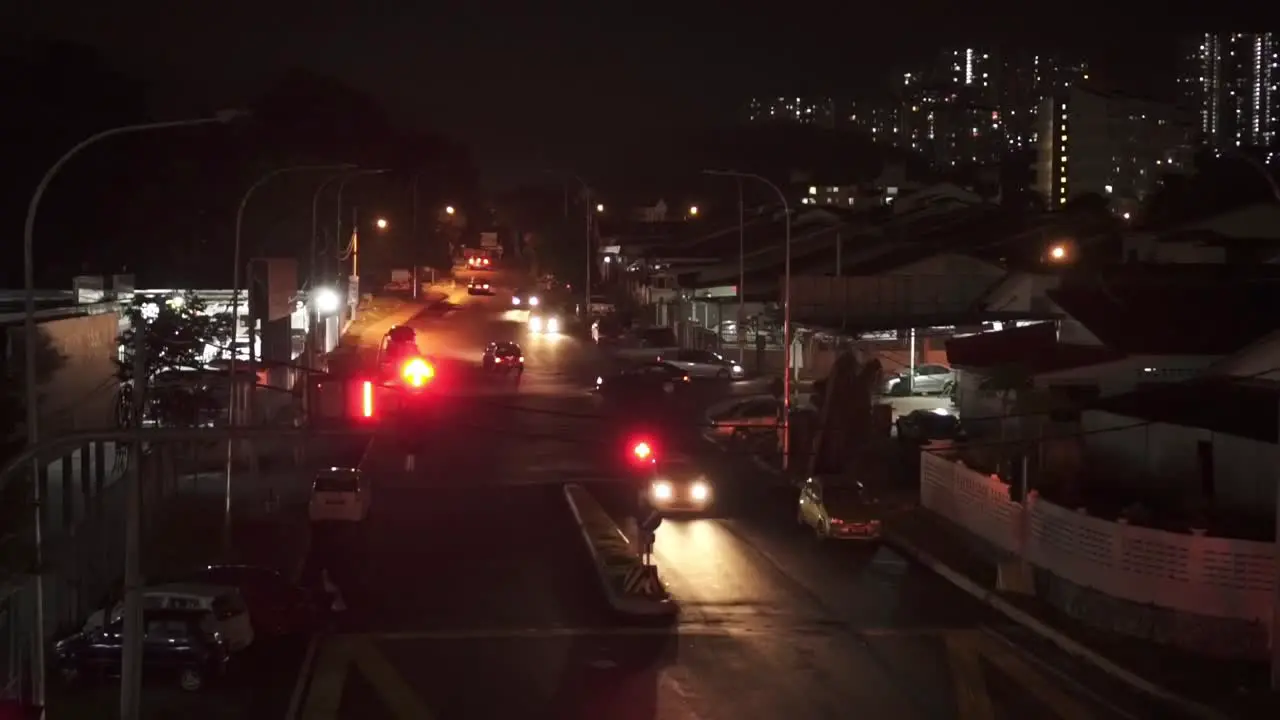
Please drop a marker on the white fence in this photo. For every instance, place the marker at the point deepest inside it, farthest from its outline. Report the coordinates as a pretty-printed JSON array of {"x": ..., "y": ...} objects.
[{"x": 1218, "y": 577}]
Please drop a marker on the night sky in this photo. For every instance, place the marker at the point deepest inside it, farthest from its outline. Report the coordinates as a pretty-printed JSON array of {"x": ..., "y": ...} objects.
[{"x": 534, "y": 88}]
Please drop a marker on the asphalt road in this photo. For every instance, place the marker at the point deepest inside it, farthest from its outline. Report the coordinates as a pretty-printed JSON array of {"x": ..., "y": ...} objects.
[{"x": 470, "y": 594}]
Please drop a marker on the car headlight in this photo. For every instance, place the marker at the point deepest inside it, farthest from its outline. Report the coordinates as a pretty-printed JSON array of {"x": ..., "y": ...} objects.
[
  {"x": 553, "y": 325},
  {"x": 535, "y": 324},
  {"x": 533, "y": 301},
  {"x": 700, "y": 491},
  {"x": 662, "y": 491},
  {"x": 736, "y": 370},
  {"x": 599, "y": 381},
  {"x": 515, "y": 301}
]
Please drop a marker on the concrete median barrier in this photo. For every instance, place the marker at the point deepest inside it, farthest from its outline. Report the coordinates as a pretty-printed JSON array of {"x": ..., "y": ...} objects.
[{"x": 631, "y": 587}]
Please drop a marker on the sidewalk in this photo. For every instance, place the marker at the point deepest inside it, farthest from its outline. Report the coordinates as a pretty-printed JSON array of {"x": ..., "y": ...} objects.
[{"x": 1207, "y": 687}]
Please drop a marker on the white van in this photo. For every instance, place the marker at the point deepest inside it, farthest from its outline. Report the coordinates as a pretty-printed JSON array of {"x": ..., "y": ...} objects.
[
  {"x": 341, "y": 495},
  {"x": 224, "y": 603}
]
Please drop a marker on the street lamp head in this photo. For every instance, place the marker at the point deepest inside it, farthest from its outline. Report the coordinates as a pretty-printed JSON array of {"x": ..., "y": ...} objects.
[
  {"x": 599, "y": 207},
  {"x": 326, "y": 301},
  {"x": 1058, "y": 253},
  {"x": 693, "y": 210},
  {"x": 382, "y": 223},
  {"x": 449, "y": 210}
]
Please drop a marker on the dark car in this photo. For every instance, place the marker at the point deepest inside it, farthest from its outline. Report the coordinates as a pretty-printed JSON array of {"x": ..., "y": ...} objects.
[
  {"x": 505, "y": 356},
  {"x": 924, "y": 425},
  {"x": 178, "y": 643},
  {"x": 276, "y": 606},
  {"x": 400, "y": 342},
  {"x": 479, "y": 287},
  {"x": 647, "y": 379}
]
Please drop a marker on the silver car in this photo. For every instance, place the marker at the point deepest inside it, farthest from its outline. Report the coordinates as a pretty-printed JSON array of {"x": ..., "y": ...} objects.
[
  {"x": 929, "y": 379},
  {"x": 705, "y": 364}
]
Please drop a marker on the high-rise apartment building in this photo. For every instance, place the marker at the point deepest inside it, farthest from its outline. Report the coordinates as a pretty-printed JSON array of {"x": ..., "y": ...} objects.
[
  {"x": 1232, "y": 82},
  {"x": 1115, "y": 146},
  {"x": 819, "y": 111},
  {"x": 1026, "y": 79}
]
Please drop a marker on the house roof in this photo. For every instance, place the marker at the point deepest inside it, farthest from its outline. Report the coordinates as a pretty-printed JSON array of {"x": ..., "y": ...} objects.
[
  {"x": 1189, "y": 316},
  {"x": 1244, "y": 408},
  {"x": 1034, "y": 348}
]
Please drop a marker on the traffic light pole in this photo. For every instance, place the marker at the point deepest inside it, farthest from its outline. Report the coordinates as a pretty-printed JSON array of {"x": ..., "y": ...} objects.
[{"x": 131, "y": 657}]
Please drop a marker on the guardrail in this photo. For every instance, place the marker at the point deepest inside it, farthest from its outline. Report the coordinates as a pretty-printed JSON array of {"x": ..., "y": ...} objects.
[
  {"x": 631, "y": 586},
  {"x": 1191, "y": 573}
]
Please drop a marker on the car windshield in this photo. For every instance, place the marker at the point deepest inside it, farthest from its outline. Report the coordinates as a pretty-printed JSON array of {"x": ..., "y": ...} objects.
[{"x": 336, "y": 484}]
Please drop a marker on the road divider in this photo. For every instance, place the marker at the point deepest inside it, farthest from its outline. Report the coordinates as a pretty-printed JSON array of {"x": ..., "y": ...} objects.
[{"x": 630, "y": 586}]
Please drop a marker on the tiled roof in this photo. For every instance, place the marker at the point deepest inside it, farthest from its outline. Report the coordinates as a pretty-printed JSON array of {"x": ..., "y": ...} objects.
[
  {"x": 1034, "y": 348},
  {"x": 1244, "y": 408}
]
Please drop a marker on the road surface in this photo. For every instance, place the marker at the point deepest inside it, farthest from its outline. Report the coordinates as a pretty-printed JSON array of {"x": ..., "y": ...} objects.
[{"x": 470, "y": 594}]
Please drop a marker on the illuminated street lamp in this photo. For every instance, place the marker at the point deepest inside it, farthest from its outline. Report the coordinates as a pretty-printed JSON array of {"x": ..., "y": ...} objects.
[
  {"x": 1058, "y": 253},
  {"x": 693, "y": 211},
  {"x": 381, "y": 223},
  {"x": 599, "y": 207},
  {"x": 327, "y": 301},
  {"x": 449, "y": 210}
]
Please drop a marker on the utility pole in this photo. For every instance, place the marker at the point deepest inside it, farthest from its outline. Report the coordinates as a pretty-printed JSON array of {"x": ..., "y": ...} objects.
[
  {"x": 355, "y": 246},
  {"x": 839, "y": 250},
  {"x": 742, "y": 278},
  {"x": 414, "y": 251},
  {"x": 586, "y": 307},
  {"x": 131, "y": 665}
]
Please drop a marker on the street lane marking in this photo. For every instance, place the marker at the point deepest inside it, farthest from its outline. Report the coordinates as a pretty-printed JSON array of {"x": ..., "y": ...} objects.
[
  {"x": 340, "y": 655},
  {"x": 1033, "y": 681},
  {"x": 682, "y": 629},
  {"x": 964, "y": 651}
]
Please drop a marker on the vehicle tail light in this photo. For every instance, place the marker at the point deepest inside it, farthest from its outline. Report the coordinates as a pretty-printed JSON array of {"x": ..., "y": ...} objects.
[
  {"x": 684, "y": 378},
  {"x": 417, "y": 372},
  {"x": 366, "y": 399},
  {"x": 642, "y": 451}
]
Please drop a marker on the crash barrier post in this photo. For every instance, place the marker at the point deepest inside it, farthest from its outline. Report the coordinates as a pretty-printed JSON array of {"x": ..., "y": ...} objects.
[{"x": 643, "y": 581}]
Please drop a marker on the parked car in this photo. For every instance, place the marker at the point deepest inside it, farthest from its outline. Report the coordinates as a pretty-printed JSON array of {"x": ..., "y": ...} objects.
[
  {"x": 745, "y": 418},
  {"x": 276, "y": 606},
  {"x": 925, "y": 425},
  {"x": 928, "y": 379},
  {"x": 223, "y": 602},
  {"x": 705, "y": 364},
  {"x": 182, "y": 643},
  {"x": 651, "y": 379},
  {"x": 839, "y": 508}
]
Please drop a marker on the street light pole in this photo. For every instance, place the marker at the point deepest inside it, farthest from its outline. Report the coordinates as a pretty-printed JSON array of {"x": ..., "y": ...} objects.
[
  {"x": 742, "y": 278},
  {"x": 586, "y": 206},
  {"x": 786, "y": 309},
  {"x": 235, "y": 326},
  {"x": 31, "y": 339},
  {"x": 343, "y": 186}
]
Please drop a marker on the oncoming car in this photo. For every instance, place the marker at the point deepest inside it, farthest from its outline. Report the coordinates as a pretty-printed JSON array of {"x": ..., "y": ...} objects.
[
  {"x": 678, "y": 485},
  {"x": 544, "y": 324}
]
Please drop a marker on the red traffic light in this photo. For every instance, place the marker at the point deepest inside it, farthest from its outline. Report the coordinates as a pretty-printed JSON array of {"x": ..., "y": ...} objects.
[{"x": 642, "y": 451}]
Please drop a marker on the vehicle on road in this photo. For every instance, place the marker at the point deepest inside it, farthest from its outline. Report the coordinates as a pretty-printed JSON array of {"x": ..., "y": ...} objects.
[
  {"x": 928, "y": 379},
  {"x": 653, "y": 342},
  {"x": 480, "y": 262},
  {"x": 705, "y": 364},
  {"x": 678, "y": 486},
  {"x": 525, "y": 299},
  {"x": 545, "y": 323},
  {"x": 645, "y": 379},
  {"x": 182, "y": 643},
  {"x": 504, "y": 356},
  {"x": 276, "y": 606},
  {"x": 478, "y": 287},
  {"x": 839, "y": 508},
  {"x": 400, "y": 342},
  {"x": 340, "y": 495}
]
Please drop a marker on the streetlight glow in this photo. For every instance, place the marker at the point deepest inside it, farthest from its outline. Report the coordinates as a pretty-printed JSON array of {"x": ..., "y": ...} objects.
[
  {"x": 599, "y": 207},
  {"x": 1058, "y": 252},
  {"x": 326, "y": 301},
  {"x": 693, "y": 210},
  {"x": 449, "y": 210},
  {"x": 382, "y": 223}
]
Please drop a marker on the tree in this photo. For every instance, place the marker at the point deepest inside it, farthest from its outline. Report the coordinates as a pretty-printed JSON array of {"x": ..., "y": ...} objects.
[{"x": 178, "y": 333}]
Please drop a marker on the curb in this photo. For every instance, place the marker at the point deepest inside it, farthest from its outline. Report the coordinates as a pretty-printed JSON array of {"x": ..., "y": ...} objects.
[
  {"x": 992, "y": 599},
  {"x": 618, "y": 601}
]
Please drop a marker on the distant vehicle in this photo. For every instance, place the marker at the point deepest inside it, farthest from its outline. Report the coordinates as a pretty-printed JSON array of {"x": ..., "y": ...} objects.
[
  {"x": 182, "y": 643},
  {"x": 746, "y": 418},
  {"x": 225, "y": 604},
  {"x": 929, "y": 379},
  {"x": 340, "y": 495},
  {"x": 478, "y": 287},
  {"x": 706, "y": 364},
  {"x": 544, "y": 322},
  {"x": 276, "y": 606},
  {"x": 647, "y": 379},
  {"x": 678, "y": 486},
  {"x": 525, "y": 299},
  {"x": 647, "y": 343},
  {"x": 505, "y": 356},
  {"x": 839, "y": 509},
  {"x": 925, "y": 425},
  {"x": 480, "y": 262}
]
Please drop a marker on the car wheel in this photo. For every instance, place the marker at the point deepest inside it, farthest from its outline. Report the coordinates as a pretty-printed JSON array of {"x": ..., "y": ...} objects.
[{"x": 191, "y": 680}]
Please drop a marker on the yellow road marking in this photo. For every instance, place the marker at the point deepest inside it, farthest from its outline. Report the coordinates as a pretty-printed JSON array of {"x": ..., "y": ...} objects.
[
  {"x": 964, "y": 650},
  {"x": 338, "y": 657},
  {"x": 1054, "y": 697},
  {"x": 324, "y": 696}
]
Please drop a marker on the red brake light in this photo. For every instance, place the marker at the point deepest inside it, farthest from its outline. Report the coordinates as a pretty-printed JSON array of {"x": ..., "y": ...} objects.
[
  {"x": 417, "y": 372},
  {"x": 366, "y": 399},
  {"x": 642, "y": 451}
]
